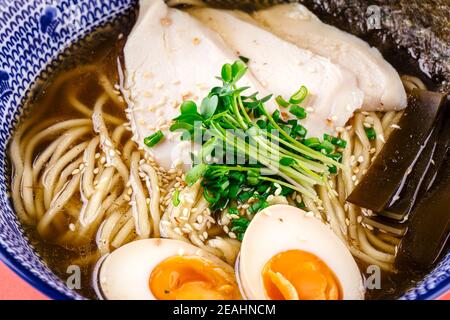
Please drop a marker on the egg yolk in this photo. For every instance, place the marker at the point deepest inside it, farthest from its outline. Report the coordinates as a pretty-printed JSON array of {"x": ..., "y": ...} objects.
[
  {"x": 192, "y": 278},
  {"x": 299, "y": 275}
]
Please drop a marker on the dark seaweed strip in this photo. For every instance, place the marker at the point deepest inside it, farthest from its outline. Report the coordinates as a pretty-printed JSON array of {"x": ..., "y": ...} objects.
[
  {"x": 388, "y": 172},
  {"x": 428, "y": 230}
]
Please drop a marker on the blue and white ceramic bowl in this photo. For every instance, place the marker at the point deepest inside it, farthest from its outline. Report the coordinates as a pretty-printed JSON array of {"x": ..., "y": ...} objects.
[{"x": 33, "y": 38}]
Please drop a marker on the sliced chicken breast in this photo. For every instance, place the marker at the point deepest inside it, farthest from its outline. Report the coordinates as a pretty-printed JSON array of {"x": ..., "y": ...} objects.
[
  {"x": 170, "y": 57},
  {"x": 282, "y": 67},
  {"x": 378, "y": 80}
]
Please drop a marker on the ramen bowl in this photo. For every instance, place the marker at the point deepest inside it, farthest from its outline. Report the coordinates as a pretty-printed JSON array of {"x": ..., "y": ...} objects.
[{"x": 35, "y": 37}]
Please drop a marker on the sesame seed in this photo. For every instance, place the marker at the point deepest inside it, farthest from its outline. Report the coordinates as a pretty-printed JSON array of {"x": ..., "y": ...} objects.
[
  {"x": 197, "y": 226},
  {"x": 309, "y": 214}
]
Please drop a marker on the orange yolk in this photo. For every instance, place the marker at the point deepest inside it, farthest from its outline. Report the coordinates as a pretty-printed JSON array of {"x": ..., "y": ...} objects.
[
  {"x": 192, "y": 278},
  {"x": 300, "y": 275}
]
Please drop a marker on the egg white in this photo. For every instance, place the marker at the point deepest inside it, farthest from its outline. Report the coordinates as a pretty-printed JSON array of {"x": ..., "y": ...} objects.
[
  {"x": 281, "y": 228},
  {"x": 125, "y": 273}
]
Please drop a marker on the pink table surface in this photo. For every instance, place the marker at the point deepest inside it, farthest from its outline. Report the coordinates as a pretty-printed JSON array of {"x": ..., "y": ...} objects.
[{"x": 13, "y": 287}]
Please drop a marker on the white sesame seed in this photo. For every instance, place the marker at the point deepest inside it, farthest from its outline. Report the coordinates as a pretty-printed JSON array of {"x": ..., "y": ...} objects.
[{"x": 309, "y": 214}]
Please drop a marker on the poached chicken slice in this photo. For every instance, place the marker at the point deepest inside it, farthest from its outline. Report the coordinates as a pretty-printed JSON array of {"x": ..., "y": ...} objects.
[
  {"x": 170, "y": 57},
  {"x": 282, "y": 67},
  {"x": 378, "y": 80}
]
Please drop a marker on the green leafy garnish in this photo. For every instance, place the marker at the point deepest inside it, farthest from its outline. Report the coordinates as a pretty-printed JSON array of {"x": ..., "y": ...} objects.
[
  {"x": 299, "y": 96},
  {"x": 176, "y": 198},
  {"x": 371, "y": 134},
  {"x": 298, "y": 111},
  {"x": 154, "y": 139},
  {"x": 281, "y": 102},
  {"x": 253, "y": 151},
  {"x": 239, "y": 226}
]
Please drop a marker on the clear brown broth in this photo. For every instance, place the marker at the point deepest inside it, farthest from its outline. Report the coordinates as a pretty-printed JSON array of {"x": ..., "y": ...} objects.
[{"x": 106, "y": 54}]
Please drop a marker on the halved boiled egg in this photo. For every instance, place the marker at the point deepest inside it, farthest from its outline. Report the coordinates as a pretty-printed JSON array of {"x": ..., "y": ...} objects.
[
  {"x": 163, "y": 269},
  {"x": 287, "y": 254}
]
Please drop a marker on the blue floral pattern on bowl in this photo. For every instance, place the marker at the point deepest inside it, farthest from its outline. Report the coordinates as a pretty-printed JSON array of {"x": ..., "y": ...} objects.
[{"x": 33, "y": 38}]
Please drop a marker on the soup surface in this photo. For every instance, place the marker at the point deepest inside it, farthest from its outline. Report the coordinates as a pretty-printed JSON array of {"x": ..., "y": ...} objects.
[{"x": 86, "y": 183}]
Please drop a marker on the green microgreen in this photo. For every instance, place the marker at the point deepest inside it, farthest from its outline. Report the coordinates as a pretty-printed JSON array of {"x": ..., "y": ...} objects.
[{"x": 265, "y": 149}]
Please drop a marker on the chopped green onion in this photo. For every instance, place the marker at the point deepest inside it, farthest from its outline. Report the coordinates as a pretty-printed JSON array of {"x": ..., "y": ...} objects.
[
  {"x": 327, "y": 137},
  {"x": 371, "y": 134},
  {"x": 154, "y": 139},
  {"x": 339, "y": 142},
  {"x": 244, "y": 196},
  {"x": 300, "y": 130},
  {"x": 312, "y": 142},
  {"x": 299, "y": 96},
  {"x": 281, "y": 102},
  {"x": 298, "y": 111},
  {"x": 233, "y": 210},
  {"x": 326, "y": 147},
  {"x": 276, "y": 115},
  {"x": 335, "y": 156},
  {"x": 239, "y": 226},
  {"x": 261, "y": 124},
  {"x": 176, "y": 198},
  {"x": 257, "y": 206},
  {"x": 332, "y": 169},
  {"x": 336, "y": 141}
]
